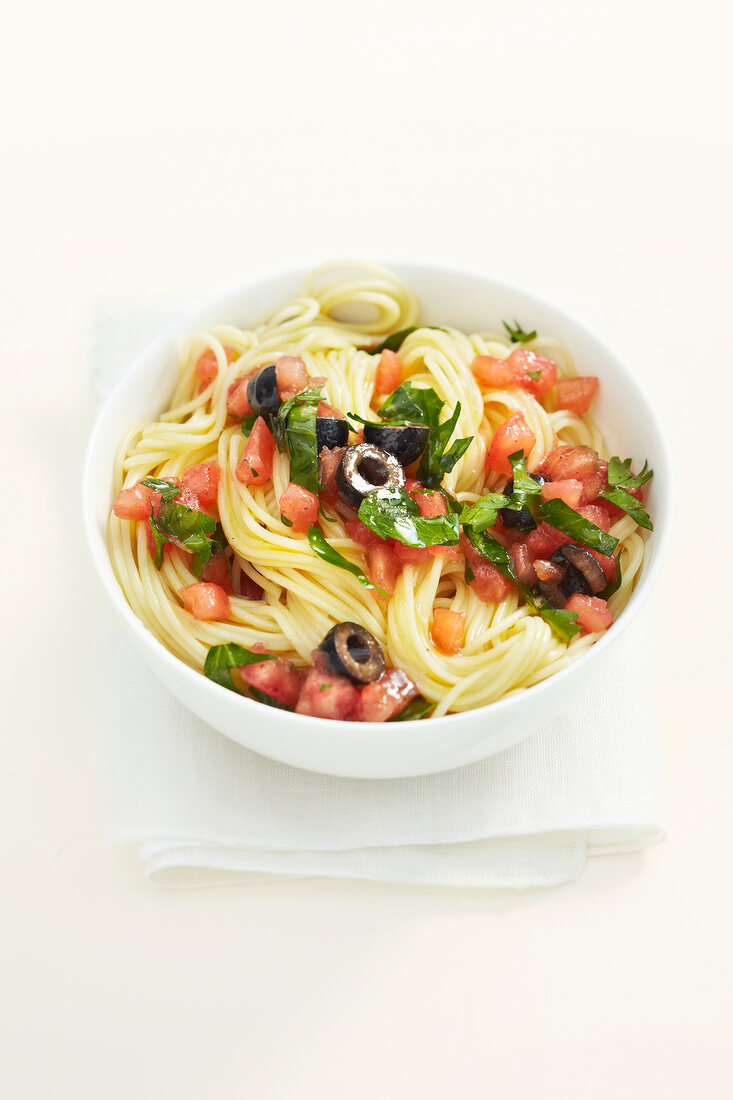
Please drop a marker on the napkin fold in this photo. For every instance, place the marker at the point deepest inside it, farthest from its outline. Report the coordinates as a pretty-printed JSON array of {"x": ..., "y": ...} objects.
[{"x": 205, "y": 810}]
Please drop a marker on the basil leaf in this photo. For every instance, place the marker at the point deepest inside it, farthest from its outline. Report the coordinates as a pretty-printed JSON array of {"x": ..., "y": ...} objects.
[
  {"x": 268, "y": 700},
  {"x": 248, "y": 423},
  {"x": 392, "y": 513},
  {"x": 468, "y": 573},
  {"x": 525, "y": 489},
  {"x": 630, "y": 505},
  {"x": 306, "y": 397},
  {"x": 488, "y": 547},
  {"x": 619, "y": 473},
  {"x": 517, "y": 335},
  {"x": 219, "y": 545},
  {"x": 186, "y": 528},
  {"x": 303, "y": 446},
  {"x": 613, "y": 585},
  {"x": 412, "y": 404},
  {"x": 564, "y": 623},
  {"x": 325, "y": 551},
  {"x": 159, "y": 540},
  {"x": 222, "y": 658},
  {"x": 160, "y": 485},
  {"x": 484, "y": 512},
  {"x": 454, "y": 505},
  {"x": 564, "y": 518},
  {"x": 397, "y": 339},
  {"x": 416, "y": 708},
  {"x": 458, "y": 450}
]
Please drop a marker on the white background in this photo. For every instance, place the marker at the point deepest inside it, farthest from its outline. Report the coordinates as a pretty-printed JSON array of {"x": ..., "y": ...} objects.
[{"x": 157, "y": 151}]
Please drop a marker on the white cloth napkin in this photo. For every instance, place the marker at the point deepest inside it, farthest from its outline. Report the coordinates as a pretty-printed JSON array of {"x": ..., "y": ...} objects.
[{"x": 207, "y": 811}]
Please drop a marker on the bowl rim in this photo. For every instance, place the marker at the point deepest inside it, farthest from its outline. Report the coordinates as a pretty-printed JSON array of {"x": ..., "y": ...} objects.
[{"x": 192, "y": 319}]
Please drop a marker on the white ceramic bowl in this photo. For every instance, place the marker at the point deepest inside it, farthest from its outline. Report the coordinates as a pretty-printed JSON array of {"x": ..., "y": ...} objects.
[{"x": 471, "y": 303}]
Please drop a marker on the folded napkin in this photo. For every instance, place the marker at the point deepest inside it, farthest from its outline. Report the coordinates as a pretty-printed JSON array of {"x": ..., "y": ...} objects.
[{"x": 207, "y": 811}]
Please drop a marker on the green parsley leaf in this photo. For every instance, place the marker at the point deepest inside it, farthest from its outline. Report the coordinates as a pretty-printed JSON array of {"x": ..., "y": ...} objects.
[
  {"x": 421, "y": 405},
  {"x": 392, "y": 513},
  {"x": 630, "y": 505},
  {"x": 560, "y": 515},
  {"x": 416, "y": 708},
  {"x": 325, "y": 551},
  {"x": 221, "y": 659},
  {"x": 517, "y": 335},
  {"x": 619, "y": 473},
  {"x": 160, "y": 485}
]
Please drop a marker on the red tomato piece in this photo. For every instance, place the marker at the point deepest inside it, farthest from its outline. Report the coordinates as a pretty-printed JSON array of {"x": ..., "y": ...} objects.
[
  {"x": 217, "y": 571},
  {"x": 205, "y": 601},
  {"x": 324, "y": 695},
  {"x": 576, "y": 394},
  {"x": 291, "y": 376},
  {"x": 388, "y": 373},
  {"x": 547, "y": 571},
  {"x": 430, "y": 504},
  {"x": 488, "y": 583},
  {"x": 359, "y": 533},
  {"x": 248, "y": 589},
  {"x": 386, "y": 697},
  {"x": 324, "y": 409},
  {"x": 328, "y": 461},
  {"x": 134, "y": 503},
  {"x": 544, "y": 541},
  {"x": 607, "y": 562},
  {"x": 168, "y": 547},
  {"x": 383, "y": 567},
  {"x": 567, "y": 461},
  {"x": 596, "y": 513},
  {"x": 450, "y": 552},
  {"x": 522, "y": 560},
  {"x": 568, "y": 490},
  {"x": 493, "y": 374},
  {"x": 237, "y": 400},
  {"x": 593, "y": 614},
  {"x": 189, "y": 500},
  {"x": 300, "y": 506},
  {"x": 203, "y": 481},
  {"x": 279, "y": 679},
  {"x": 207, "y": 367},
  {"x": 410, "y": 555},
  {"x": 448, "y": 629},
  {"x": 592, "y": 486},
  {"x": 255, "y": 465},
  {"x": 511, "y": 436},
  {"x": 525, "y": 363}
]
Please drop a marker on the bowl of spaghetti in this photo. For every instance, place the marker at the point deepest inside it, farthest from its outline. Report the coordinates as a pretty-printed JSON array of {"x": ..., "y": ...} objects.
[{"x": 377, "y": 522}]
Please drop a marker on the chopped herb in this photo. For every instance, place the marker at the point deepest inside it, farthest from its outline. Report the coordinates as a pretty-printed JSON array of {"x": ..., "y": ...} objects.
[
  {"x": 421, "y": 405},
  {"x": 416, "y": 708},
  {"x": 484, "y": 512},
  {"x": 397, "y": 339},
  {"x": 248, "y": 423},
  {"x": 517, "y": 335},
  {"x": 392, "y": 513},
  {"x": 534, "y": 374},
  {"x": 325, "y": 551},
  {"x": 285, "y": 520},
  {"x": 613, "y": 585},
  {"x": 468, "y": 573},
  {"x": 561, "y": 516},
  {"x": 628, "y": 503},
  {"x": 160, "y": 485},
  {"x": 185, "y": 527},
  {"x": 525, "y": 489},
  {"x": 219, "y": 545},
  {"x": 261, "y": 697},
  {"x": 620, "y": 480},
  {"x": 159, "y": 540},
  {"x": 325, "y": 687},
  {"x": 619, "y": 473},
  {"x": 221, "y": 659},
  {"x": 303, "y": 446}
]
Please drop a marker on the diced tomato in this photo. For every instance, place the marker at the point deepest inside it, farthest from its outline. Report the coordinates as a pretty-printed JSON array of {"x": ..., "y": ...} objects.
[
  {"x": 592, "y": 486},
  {"x": 188, "y": 499},
  {"x": 386, "y": 697},
  {"x": 300, "y": 506},
  {"x": 593, "y": 614},
  {"x": 168, "y": 547},
  {"x": 383, "y": 567},
  {"x": 291, "y": 376},
  {"x": 544, "y": 541},
  {"x": 134, "y": 503},
  {"x": 568, "y": 490},
  {"x": 511, "y": 436},
  {"x": 430, "y": 504},
  {"x": 525, "y": 363},
  {"x": 410, "y": 555},
  {"x": 279, "y": 679},
  {"x": 522, "y": 561},
  {"x": 255, "y": 465},
  {"x": 488, "y": 583},
  {"x": 576, "y": 394},
  {"x": 596, "y": 513},
  {"x": 237, "y": 400},
  {"x": 389, "y": 372},
  {"x": 217, "y": 571},
  {"x": 359, "y": 533},
  {"x": 203, "y": 481},
  {"x": 567, "y": 461},
  {"x": 493, "y": 374},
  {"x": 449, "y": 552},
  {"x": 548, "y": 571},
  {"x": 412, "y": 485},
  {"x": 324, "y": 409},
  {"x": 207, "y": 367},
  {"x": 448, "y": 629},
  {"x": 205, "y": 601},
  {"x": 328, "y": 461},
  {"x": 607, "y": 562},
  {"x": 324, "y": 695}
]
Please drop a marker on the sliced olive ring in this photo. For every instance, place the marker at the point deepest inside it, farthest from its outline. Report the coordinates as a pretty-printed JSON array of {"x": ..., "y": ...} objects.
[
  {"x": 351, "y": 651},
  {"x": 406, "y": 442},
  {"x": 523, "y": 520},
  {"x": 262, "y": 391},
  {"x": 364, "y": 469},
  {"x": 331, "y": 432},
  {"x": 583, "y": 574}
]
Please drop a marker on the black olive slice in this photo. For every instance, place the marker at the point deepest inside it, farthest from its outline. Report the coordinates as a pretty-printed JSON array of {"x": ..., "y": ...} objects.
[
  {"x": 523, "y": 520},
  {"x": 406, "y": 442},
  {"x": 554, "y": 594},
  {"x": 582, "y": 562},
  {"x": 262, "y": 391},
  {"x": 352, "y": 651},
  {"x": 331, "y": 432},
  {"x": 365, "y": 468}
]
